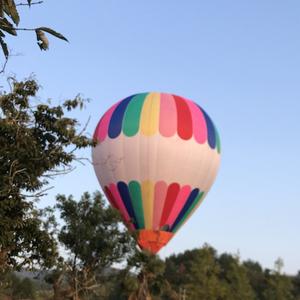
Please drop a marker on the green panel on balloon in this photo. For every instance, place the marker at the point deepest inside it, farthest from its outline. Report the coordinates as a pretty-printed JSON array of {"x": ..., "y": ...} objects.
[
  {"x": 131, "y": 122},
  {"x": 137, "y": 203},
  {"x": 218, "y": 141}
]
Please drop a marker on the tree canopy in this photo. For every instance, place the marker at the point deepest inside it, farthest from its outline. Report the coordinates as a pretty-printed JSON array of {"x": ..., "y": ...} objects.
[
  {"x": 38, "y": 142},
  {"x": 92, "y": 235}
]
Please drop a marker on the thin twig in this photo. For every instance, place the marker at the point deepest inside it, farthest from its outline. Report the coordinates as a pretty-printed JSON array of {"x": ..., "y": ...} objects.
[
  {"x": 2, "y": 71},
  {"x": 4, "y": 66},
  {"x": 24, "y": 29},
  {"x": 85, "y": 126},
  {"x": 64, "y": 171},
  {"x": 39, "y": 194},
  {"x": 80, "y": 159},
  {"x": 81, "y": 133},
  {"x": 27, "y": 4}
]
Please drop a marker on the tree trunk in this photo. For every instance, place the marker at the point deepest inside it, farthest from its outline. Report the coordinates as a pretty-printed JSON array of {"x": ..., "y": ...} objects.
[
  {"x": 56, "y": 291},
  {"x": 3, "y": 260},
  {"x": 143, "y": 290}
]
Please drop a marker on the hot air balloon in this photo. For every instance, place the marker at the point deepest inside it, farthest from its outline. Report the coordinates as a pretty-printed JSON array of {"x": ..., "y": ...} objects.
[{"x": 156, "y": 158}]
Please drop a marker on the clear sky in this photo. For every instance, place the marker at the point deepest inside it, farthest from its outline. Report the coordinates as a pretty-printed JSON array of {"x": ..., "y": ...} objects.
[{"x": 240, "y": 60}]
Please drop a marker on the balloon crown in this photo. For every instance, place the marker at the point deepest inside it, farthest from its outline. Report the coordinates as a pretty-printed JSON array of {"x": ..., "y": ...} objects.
[{"x": 152, "y": 113}]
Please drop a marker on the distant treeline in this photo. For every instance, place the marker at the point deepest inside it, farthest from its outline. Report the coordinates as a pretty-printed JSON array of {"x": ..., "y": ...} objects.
[{"x": 198, "y": 274}]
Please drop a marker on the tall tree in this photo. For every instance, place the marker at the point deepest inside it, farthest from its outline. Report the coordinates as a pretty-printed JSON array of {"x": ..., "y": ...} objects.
[
  {"x": 256, "y": 276},
  {"x": 278, "y": 285},
  {"x": 37, "y": 143},
  {"x": 234, "y": 275},
  {"x": 150, "y": 275},
  {"x": 18, "y": 288},
  {"x": 195, "y": 273},
  {"x": 296, "y": 286},
  {"x": 93, "y": 238}
]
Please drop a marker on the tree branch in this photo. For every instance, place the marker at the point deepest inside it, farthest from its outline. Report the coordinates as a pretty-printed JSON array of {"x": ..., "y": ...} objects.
[
  {"x": 23, "y": 29},
  {"x": 4, "y": 66},
  {"x": 32, "y": 3},
  {"x": 54, "y": 173},
  {"x": 38, "y": 194}
]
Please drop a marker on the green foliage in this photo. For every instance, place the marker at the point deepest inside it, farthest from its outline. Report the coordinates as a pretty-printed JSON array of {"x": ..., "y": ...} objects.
[
  {"x": 36, "y": 145},
  {"x": 19, "y": 288},
  {"x": 92, "y": 235},
  {"x": 9, "y": 22},
  {"x": 122, "y": 285},
  {"x": 296, "y": 286},
  {"x": 24, "y": 290},
  {"x": 91, "y": 231},
  {"x": 150, "y": 279},
  {"x": 278, "y": 286},
  {"x": 205, "y": 275},
  {"x": 256, "y": 277},
  {"x": 198, "y": 272},
  {"x": 234, "y": 275}
]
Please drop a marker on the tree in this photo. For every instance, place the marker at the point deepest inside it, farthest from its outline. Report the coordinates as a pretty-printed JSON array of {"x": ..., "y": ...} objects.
[
  {"x": 38, "y": 142},
  {"x": 234, "y": 275},
  {"x": 278, "y": 286},
  {"x": 25, "y": 289},
  {"x": 296, "y": 286},
  {"x": 94, "y": 240},
  {"x": 256, "y": 277},
  {"x": 197, "y": 272},
  {"x": 150, "y": 276},
  {"x": 9, "y": 24},
  {"x": 18, "y": 288}
]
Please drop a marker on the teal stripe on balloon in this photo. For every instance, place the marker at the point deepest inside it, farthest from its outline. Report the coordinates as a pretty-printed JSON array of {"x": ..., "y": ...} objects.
[
  {"x": 137, "y": 202},
  {"x": 218, "y": 141},
  {"x": 131, "y": 121}
]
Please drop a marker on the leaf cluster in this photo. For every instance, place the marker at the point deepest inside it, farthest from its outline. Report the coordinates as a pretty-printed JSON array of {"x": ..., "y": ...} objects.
[{"x": 9, "y": 24}]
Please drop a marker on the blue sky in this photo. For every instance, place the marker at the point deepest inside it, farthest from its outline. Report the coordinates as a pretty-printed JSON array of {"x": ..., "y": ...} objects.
[{"x": 238, "y": 59}]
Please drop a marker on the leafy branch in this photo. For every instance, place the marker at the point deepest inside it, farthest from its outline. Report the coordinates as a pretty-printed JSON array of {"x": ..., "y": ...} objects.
[{"x": 9, "y": 22}]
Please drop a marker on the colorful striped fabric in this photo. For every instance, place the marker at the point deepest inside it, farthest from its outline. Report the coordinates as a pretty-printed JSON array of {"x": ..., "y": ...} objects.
[
  {"x": 153, "y": 206},
  {"x": 152, "y": 113},
  {"x": 157, "y": 157}
]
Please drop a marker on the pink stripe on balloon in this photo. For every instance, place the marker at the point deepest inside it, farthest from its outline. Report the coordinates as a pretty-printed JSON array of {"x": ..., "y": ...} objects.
[
  {"x": 199, "y": 123},
  {"x": 178, "y": 204},
  {"x": 118, "y": 200},
  {"x": 102, "y": 127},
  {"x": 160, "y": 192},
  {"x": 168, "y": 115}
]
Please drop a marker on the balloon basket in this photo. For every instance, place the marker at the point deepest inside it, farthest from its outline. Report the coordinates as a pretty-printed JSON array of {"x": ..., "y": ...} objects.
[{"x": 153, "y": 240}]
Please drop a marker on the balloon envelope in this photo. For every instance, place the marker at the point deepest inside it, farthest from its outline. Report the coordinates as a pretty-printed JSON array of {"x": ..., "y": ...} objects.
[{"x": 156, "y": 159}]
